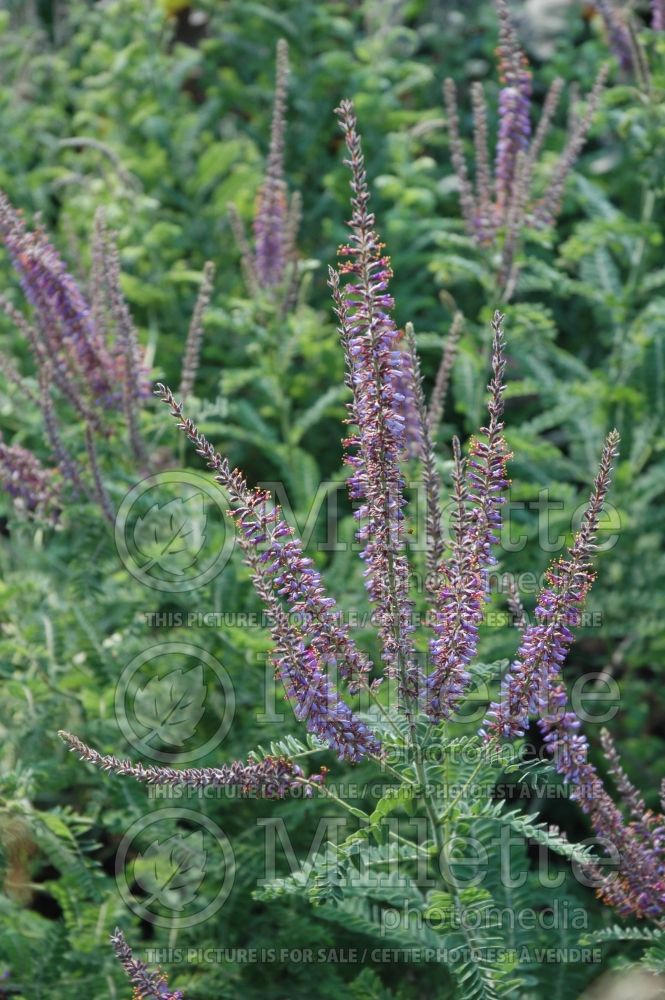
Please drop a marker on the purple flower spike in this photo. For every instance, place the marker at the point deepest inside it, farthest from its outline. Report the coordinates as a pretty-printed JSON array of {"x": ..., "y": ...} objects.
[
  {"x": 309, "y": 635},
  {"x": 407, "y": 404},
  {"x": 458, "y": 607},
  {"x": 514, "y": 110},
  {"x": 637, "y": 887},
  {"x": 363, "y": 304},
  {"x": 35, "y": 489},
  {"x": 618, "y": 34},
  {"x": 498, "y": 208},
  {"x": 533, "y": 679},
  {"x": 271, "y": 220},
  {"x": 147, "y": 985},
  {"x": 64, "y": 317},
  {"x": 272, "y": 777},
  {"x": 270, "y": 265}
]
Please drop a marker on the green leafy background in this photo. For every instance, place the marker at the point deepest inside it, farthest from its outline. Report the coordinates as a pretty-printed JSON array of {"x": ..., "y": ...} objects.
[{"x": 183, "y": 113}]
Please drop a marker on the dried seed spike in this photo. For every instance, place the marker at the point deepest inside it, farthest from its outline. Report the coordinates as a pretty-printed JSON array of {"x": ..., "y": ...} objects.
[
  {"x": 547, "y": 208},
  {"x": 272, "y": 777},
  {"x": 190, "y": 364},
  {"x": 442, "y": 381},
  {"x": 485, "y": 222},
  {"x": 271, "y": 219}
]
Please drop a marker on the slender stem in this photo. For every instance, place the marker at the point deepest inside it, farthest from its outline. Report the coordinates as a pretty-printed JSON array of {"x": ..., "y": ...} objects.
[
  {"x": 372, "y": 694},
  {"x": 465, "y": 787},
  {"x": 324, "y": 790},
  {"x": 648, "y": 206},
  {"x": 429, "y": 805},
  {"x": 388, "y": 767}
]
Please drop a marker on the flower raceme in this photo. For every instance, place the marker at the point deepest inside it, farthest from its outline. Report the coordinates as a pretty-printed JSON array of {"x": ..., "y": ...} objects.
[
  {"x": 532, "y": 681},
  {"x": 534, "y": 687},
  {"x": 272, "y": 777},
  {"x": 87, "y": 359},
  {"x": 147, "y": 985},
  {"x": 314, "y": 651},
  {"x": 311, "y": 640},
  {"x": 308, "y": 632},
  {"x": 271, "y": 266},
  {"x": 370, "y": 337},
  {"x": 271, "y": 223},
  {"x": 68, "y": 335},
  {"x": 89, "y": 369},
  {"x": 459, "y": 605},
  {"x": 618, "y": 33},
  {"x": 514, "y": 115},
  {"x": 35, "y": 489},
  {"x": 501, "y": 206},
  {"x": 79, "y": 365},
  {"x": 657, "y": 15}
]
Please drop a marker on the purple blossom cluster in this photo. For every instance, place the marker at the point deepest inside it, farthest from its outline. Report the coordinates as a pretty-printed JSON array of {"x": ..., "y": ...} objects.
[
  {"x": 272, "y": 777},
  {"x": 640, "y": 886},
  {"x": 309, "y": 634},
  {"x": 532, "y": 684},
  {"x": 514, "y": 111},
  {"x": 147, "y": 985},
  {"x": 657, "y": 15},
  {"x": 501, "y": 205},
  {"x": 459, "y": 604},
  {"x": 458, "y": 608},
  {"x": 637, "y": 886},
  {"x": 271, "y": 218},
  {"x": 77, "y": 360},
  {"x": 405, "y": 392},
  {"x": 389, "y": 422},
  {"x": 363, "y": 305},
  {"x": 112, "y": 312},
  {"x": 35, "y": 489},
  {"x": 68, "y": 336},
  {"x": 383, "y": 374},
  {"x": 271, "y": 266},
  {"x": 618, "y": 33}
]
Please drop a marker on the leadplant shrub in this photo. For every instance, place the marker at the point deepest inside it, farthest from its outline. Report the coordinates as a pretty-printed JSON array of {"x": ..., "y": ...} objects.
[
  {"x": 432, "y": 857},
  {"x": 409, "y": 705}
]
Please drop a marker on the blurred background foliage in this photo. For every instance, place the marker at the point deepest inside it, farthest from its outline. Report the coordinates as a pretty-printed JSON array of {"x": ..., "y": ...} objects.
[{"x": 160, "y": 113}]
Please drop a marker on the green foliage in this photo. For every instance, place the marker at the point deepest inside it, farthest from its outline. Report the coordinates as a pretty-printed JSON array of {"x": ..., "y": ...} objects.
[{"x": 118, "y": 105}]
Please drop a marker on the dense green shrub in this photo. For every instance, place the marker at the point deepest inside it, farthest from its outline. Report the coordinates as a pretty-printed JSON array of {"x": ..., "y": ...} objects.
[{"x": 126, "y": 106}]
